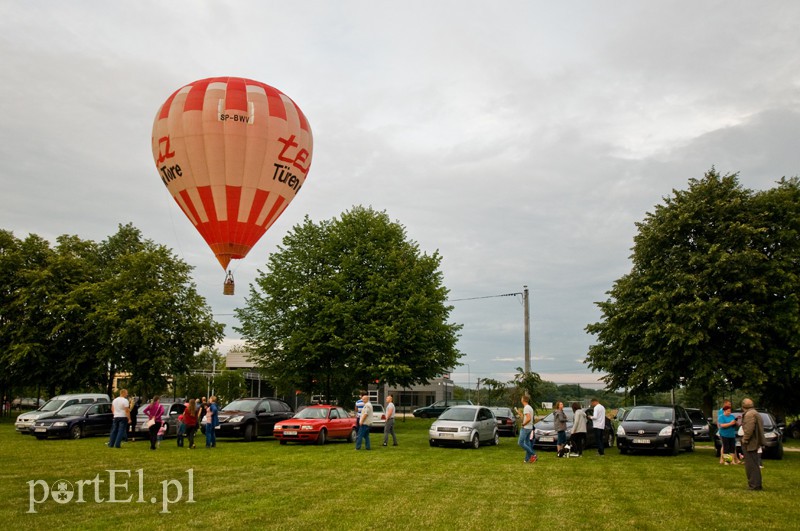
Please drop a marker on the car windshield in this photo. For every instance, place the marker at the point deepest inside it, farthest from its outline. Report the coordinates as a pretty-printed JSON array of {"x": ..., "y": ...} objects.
[
  {"x": 74, "y": 410},
  {"x": 458, "y": 413},
  {"x": 52, "y": 405},
  {"x": 241, "y": 405},
  {"x": 312, "y": 413},
  {"x": 696, "y": 416},
  {"x": 653, "y": 414}
]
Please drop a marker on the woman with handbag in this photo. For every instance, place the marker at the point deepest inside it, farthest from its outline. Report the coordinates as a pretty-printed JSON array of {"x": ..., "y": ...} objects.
[{"x": 154, "y": 411}]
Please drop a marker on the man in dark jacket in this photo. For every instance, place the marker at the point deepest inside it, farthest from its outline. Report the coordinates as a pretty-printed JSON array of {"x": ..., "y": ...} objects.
[{"x": 752, "y": 440}]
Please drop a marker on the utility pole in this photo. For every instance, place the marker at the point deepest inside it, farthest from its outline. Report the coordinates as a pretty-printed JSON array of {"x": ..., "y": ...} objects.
[{"x": 526, "y": 305}]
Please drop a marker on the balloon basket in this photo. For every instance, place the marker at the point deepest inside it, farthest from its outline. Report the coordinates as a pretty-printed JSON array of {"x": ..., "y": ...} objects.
[{"x": 228, "y": 286}]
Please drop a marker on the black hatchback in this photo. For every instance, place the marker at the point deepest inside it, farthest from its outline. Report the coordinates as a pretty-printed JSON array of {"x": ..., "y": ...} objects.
[
  {"x": 666, "y": 428},
  {"x": 252, "y": 417}
]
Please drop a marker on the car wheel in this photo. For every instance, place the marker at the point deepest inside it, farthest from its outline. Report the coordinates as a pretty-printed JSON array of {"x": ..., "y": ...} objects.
[
  {"x": 433, "y": 443},
  {"x": 676, "y": 445},
  {"x": 691, "y": 445},
  {"x": 41, "y": 437},
  {"x": 75, "y": 432},
  {"x": 777, "y": 453},
  {"x": 610, "y": 440},
  {"x": 623, "y": 451},
  {"x": 282, "y": 441},
  {"x": 323, "y": 437},
  {"x": 496, "y": 440},
  {"x": 352, "y": 437},
  {"x": 475, "y": 443},
  {"x": 250, "y": 433}
]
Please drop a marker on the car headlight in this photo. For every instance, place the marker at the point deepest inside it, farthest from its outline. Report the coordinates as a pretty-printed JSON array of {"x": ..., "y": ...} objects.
[
  {"x": 537, "y": 433},
  {"x": 465, "y": 428},
  {"x": 620, "y": 431},
  {"x": 666, "y": 431},
  {"x": 306, "y": 427},
  {"x": 770, "y": 435},
  {"x": 237, "y": 418},
  {"x": 59, "y": 424}
]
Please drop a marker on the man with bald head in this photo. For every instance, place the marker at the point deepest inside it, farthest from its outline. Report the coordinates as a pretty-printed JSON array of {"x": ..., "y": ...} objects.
[{"x": 752, "y": 440}]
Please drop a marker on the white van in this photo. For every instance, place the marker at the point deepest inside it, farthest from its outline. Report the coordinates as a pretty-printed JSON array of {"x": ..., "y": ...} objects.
[{"x": 25, "y": 421}]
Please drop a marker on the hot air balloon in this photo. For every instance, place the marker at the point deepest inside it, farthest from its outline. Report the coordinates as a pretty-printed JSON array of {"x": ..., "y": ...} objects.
[{"x": 233, "y": 153}]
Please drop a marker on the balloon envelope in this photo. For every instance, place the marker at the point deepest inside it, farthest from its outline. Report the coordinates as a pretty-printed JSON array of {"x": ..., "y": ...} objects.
[{"x": 233, "y": 153}]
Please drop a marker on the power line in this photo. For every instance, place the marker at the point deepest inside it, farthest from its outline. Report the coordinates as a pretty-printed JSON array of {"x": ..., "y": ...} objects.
[{"x": 486, "y": 297}]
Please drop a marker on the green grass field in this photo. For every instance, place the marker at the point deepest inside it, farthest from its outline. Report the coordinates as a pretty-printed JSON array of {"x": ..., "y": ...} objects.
[{"x": 264, "y": 485}]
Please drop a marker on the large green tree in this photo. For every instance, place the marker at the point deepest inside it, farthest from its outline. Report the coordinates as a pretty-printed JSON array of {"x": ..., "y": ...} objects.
[
  {"x": 75, "y": 315},
  {"x": 710, "y": 277},
  {"x": 148, "y": 319},
  {"x": 347, "y": 302}
]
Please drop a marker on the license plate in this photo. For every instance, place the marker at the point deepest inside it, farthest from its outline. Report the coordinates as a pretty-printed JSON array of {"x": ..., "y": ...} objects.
[
  {"x": 641, "y": 441},
  {"x": 40, "y": 430},
  {"x": 216, "y": 427},
  {"x": 446, "y": 435},
  {"x": 547, "y": 439},
  {"x": 290, "y": 433}
]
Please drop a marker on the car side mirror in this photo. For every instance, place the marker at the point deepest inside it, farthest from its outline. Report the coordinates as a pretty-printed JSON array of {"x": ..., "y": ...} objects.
[{"x": 260, "y": 411}]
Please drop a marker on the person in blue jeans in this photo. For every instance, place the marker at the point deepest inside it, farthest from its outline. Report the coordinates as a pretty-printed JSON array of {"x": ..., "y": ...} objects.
[
  {"x": 121, "y": 410},
  {"x": 525, "y": 439},
  {"x": 365, "y": 423},
  {"x": 211, "y": 434}
]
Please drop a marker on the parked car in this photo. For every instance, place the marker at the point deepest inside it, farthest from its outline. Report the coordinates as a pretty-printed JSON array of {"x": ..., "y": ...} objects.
[
  {"x": 317, "y": 424},
  {"x": 24, "y": 423},
  {"x": 378, "y": 417},
  {"x": 506, "y": 421},
  {"x": 251, "y": 417},
  {"x": 436, "y": 409},
  {"x": 545, "y": 436},
  {"x": 656, "y": 428},
  {"x": 793, "y": 429},
  {"x": 76, "y": 421},
  {"x": 619, "y": 416},
  {"x": 773, "y": 434},
  {"x": 172, "y": 410},
  {"x": 465, "y": 425},
  {"x": 700, "y": 426},
  {"x": 27, "y": 403}
]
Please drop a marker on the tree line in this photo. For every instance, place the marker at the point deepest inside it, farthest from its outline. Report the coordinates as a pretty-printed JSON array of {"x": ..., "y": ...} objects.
[{"x": 75, "y": 314}]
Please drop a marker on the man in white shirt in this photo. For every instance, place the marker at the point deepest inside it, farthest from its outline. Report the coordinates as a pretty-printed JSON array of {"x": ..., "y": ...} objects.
[
  {"x": 121, "y": 409},
  {"x": 525, "y": 439},
  {"x": 599, "y": 425},
  {"x": 389, "y": 426},
  {"x": 365, "y": 422}
]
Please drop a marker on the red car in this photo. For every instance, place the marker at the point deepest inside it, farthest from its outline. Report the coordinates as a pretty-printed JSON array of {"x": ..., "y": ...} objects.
[{"x": 317, "y": 424}]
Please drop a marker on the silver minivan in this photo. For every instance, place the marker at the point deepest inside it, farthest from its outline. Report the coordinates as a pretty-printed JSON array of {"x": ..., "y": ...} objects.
[
  {"x": 465, "y": 425},
  {"x": 25, "y": 421}
]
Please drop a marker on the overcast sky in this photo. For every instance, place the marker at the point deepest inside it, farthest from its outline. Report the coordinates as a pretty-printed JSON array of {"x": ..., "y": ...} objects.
[{"x": 521, "y": 139}]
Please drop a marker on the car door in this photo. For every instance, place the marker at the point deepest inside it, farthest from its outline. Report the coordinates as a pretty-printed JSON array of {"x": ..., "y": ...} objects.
[
  {"x": 484, "y": 418},
  {"x": 683, "y": 425}
]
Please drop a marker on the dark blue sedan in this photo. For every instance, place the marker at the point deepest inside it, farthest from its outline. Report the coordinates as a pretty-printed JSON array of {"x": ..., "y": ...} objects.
[{"x": 76, "y": 421}]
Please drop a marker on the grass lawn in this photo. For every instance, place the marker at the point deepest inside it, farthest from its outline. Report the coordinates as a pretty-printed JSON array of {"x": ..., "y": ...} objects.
[{"x": 264, "y": 485}]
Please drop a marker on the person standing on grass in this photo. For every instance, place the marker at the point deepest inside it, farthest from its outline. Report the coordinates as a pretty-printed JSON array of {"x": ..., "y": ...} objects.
[
  {"x": 526, "y": 431},
  {"x": 726, "y": 424},
  {"x": 560, "y": 426},
  {"x": 388, "y": 428},
  {"x": 365, "y": 421},
  {"x": 190, "y": 415},
  {"x": 578, "y": 430},
  {"x": 752, "y": 441},
  {"x": 121, "y": 409},
  {"x": 154, "y": 411},
  {"x": 359, "y": 407},
  {"x": 599, "y": 425},
  {"x": 212, "y": 414}
]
